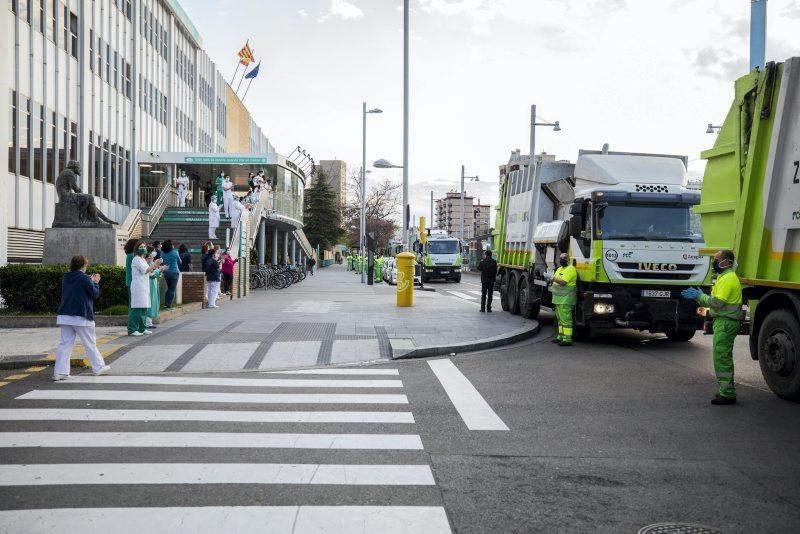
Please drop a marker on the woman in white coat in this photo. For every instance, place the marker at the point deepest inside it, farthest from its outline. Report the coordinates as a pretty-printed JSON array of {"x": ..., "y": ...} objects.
[
  {"x": 213, "y": 219},
  {"x": 140, "y": 289}
]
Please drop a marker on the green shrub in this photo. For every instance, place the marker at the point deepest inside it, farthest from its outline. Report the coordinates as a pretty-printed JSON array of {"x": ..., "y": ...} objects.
[
  {"x": 37, "y": 288},
  {"x": 117, "y": 309}
]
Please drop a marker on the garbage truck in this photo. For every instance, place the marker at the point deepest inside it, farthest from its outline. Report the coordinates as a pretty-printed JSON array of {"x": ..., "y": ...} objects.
[
  {"x": 750, "y": 203},
  {"x": 625, "y": 221},
  {"x": 439, "y": 256}
]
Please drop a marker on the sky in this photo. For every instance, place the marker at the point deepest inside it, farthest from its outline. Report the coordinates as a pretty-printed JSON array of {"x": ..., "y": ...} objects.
[{"x": 641, "y": 75}]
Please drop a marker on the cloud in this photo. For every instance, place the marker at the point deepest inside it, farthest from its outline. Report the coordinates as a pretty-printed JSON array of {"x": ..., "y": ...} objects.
[
  {"x": 343, "y": 9},
  {"x": 792, "y": 10},
  {"x": 719, "y": 63},
  {"x": 302, "y": 12}
]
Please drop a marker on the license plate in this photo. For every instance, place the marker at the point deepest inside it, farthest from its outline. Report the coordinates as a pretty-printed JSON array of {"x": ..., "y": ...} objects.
[{"x": 655, "y": 293}]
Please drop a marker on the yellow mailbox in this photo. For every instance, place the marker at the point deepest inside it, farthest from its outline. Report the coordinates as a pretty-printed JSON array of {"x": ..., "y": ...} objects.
[{"x": 405, "y": 279}]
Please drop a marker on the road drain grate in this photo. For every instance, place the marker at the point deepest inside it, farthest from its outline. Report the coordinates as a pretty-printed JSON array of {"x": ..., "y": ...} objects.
[{"x": 677, "y": 528}]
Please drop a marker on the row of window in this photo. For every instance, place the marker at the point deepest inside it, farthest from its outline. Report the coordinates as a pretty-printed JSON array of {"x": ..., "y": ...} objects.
[
  {"x": 205, "y": 142},
  {"x": 125, "y": 7},
  {"x": 116, "y": 72},
  {"x": 108, "y": 170},
  {"x": 152, "y": 30},
  {"x": 152, "y": 100},
  {"x": 184, "y": 67},
  {"x": 41, "y": 131},
  {"x": 206, "y": 92},
  {"x": 222, "y": 117},
  {"x": 41, "y": 15},
  {"x": 184, "y": 126}
]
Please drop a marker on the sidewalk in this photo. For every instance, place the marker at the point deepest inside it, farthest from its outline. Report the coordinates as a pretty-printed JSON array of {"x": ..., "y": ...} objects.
[{"x": 329, "y": 318}]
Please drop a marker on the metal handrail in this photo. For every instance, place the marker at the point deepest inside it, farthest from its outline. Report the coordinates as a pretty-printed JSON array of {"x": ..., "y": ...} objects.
[{"x": 167, "y": 198}]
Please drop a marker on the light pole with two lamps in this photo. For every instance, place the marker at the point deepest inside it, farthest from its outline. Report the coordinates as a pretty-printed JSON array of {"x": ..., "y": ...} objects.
[
  {"x": 713, "y": 129},
  {"x": 532, "y": 164},
  {"x": 362, "y": 231}
]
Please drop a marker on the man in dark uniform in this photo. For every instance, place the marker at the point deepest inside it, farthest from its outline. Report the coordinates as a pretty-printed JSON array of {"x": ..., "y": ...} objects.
[{"x": 488, "y": 269}]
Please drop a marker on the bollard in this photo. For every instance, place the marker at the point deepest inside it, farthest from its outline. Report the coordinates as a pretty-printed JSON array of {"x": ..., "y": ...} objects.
[{"x": 405, "y": 279}]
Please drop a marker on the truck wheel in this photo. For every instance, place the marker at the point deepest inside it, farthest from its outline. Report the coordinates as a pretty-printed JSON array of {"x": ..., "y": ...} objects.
[
  {"x": 504, "y": 282},
  {"x": 526, "y": 309},
  {"x": 513, "y": 294},
  {"x": 457, "y": 279},
  {"x": 779, "y": 353},
  {"x": 680, "y": 334}
]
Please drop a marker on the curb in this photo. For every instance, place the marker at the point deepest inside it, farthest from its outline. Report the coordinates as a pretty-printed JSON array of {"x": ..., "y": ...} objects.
[
  {"x": 49, "y": 321},
  {"x": 472, "y": 346}
]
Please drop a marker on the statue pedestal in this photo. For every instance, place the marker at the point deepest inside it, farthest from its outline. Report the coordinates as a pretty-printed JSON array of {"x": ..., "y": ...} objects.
[{"x": 97, "y": 244}]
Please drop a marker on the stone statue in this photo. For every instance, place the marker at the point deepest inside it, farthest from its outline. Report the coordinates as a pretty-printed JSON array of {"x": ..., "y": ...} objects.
[{"x": 75, "y": 208}]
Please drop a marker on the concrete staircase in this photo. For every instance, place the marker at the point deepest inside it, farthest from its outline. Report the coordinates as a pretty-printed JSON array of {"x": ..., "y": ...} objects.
[{"x": 188, "y": 226}]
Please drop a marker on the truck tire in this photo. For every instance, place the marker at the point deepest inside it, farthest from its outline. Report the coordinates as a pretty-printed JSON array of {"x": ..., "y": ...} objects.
[
  {"x": 680, "y": 334},
  {"x": 779, "y": 353},
  {"x": 504, "y": 281},
  {"x": 513, "y": 294},
  {"x": 457, "y": 279},
  {"x": 526, "y": 308}
]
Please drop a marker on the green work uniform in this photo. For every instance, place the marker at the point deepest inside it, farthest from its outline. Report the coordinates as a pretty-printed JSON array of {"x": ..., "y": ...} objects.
[
  {"x": 218, "y": 191},
  {"x": 564, "y": 299},
  {"x": 725, "y": 307}
]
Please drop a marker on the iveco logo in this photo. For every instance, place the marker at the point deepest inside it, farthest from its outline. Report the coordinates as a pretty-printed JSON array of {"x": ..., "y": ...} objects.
[
  {"x": 611, "y": 255},
  {"x": 658, "y": 267}
]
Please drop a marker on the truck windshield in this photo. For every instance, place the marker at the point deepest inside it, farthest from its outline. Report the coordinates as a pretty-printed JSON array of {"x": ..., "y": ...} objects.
[
  {"x": 443, "y": 247},
  {"x": 650, "y": 222}
]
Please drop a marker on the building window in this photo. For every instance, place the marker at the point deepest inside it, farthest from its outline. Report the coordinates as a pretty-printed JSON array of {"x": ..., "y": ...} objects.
[
  {"x": 51, "y": 21},
  {"x": 24, "y": 137},
  {"x": 127, "y": 82},
  {"x": 104, "y": 170},
  {"x": 12, "y": 133},
  {"x": 128, "y": 9},
  {"x": 98, "y": 168},
  {"x": 12, "y": 5},
  {"x": 71, "y": 32},
  {"x": 90, "y": 185},
  {"x": 37, "y": 136},
  {"x": 126, "y": 190},
  {"x": 114, "y": 183},
  {"x": 116, "y": 70},
  {"x": 73, "y": 145},
  {"x": 24, "y": 10},
  {"x": 37, "y": 8}
]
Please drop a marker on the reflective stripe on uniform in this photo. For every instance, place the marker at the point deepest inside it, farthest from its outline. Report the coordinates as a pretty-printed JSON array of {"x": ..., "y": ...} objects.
[{"x": 724, "y": 374}]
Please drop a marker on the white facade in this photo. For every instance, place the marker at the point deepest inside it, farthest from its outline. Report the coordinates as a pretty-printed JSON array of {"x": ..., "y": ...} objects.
[{"x": 100, "y": 81}]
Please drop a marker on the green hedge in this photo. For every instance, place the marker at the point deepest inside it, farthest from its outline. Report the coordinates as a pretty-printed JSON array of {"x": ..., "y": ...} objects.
[{"x": 37, "y": 288}]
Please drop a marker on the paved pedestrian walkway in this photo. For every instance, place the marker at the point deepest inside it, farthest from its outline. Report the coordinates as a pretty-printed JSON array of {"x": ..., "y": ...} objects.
[{"x": 329, "y": 318}]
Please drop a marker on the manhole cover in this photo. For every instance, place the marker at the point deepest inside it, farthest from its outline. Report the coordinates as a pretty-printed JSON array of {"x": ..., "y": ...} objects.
[{"x": 678, "y": 528}]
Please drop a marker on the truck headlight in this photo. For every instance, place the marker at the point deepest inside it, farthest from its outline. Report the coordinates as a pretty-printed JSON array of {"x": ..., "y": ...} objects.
[
  {"x": 701, "y": 312},
  {"x": 602, "y": 308}
]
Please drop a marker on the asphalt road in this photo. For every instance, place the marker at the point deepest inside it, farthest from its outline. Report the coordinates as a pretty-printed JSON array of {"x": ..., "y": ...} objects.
[{"x": 606, "y": 436}]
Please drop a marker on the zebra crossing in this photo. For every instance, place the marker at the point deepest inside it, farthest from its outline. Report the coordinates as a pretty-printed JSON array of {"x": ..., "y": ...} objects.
[
  {"x": 469, "y": 294},
  {"x": 302, "y": 451}
]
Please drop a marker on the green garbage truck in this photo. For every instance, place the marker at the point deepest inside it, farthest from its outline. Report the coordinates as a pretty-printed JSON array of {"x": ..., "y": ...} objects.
[
  {"x": 625, "y": 221},
  {"x": 750, "y": 203}
]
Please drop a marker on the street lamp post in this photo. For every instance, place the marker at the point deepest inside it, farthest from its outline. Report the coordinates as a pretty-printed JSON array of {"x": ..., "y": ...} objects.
[
  {"x": 406, "y": 11},
  {"x": 362, "y": 231},
  {"x": 712, "y": 129},
  {"x": 471, "y": 179},
  {"x": 532, "y": 166}
]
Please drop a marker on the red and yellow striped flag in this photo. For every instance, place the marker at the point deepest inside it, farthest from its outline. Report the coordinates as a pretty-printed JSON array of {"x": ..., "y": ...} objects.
[{"x": 246, "y": 55}]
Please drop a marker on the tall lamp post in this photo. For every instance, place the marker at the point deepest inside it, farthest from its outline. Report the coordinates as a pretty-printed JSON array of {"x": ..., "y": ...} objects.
[
  {"x": 406, "y": 11},
  {"x": 471, "y": 179},
  {"x": 537, "y": 186},
  {"x": 362, "y": 231}
]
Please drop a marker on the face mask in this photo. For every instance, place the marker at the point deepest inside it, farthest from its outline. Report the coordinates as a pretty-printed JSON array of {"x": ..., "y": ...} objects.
[
  {"x": 719, "y": 267},
  {"x": 142, "y": 251},
  {"x": 563, "y": 262}
]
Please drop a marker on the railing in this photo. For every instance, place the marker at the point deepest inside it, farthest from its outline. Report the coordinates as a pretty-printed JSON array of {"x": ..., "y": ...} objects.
[
  {"x": 148, "y": 196},
  {"x": 168, "y": 197}
]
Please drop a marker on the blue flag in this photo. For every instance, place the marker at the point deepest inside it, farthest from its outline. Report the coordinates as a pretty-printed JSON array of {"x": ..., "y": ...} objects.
[{"x": 253, "y": 73}]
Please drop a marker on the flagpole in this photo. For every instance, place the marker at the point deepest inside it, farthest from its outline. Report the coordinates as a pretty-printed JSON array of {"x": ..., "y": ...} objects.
[
  {"x": 238, "y": 64},
  {"x": 247, "y": 89},
  {"x": 245, "y": 72}
]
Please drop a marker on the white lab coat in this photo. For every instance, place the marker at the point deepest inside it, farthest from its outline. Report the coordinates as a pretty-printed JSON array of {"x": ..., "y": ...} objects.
[
  {"x": 183, "y": 190},
  {"x": 227, "y": 196},
  {"x": 140, "y": 283},
  {"x": 236, "y": 213},
  {"x": 213, "y": 219}
]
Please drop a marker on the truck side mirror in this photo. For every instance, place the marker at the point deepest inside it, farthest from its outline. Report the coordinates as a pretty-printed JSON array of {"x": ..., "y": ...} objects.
[{"x": 576, "y": 225}]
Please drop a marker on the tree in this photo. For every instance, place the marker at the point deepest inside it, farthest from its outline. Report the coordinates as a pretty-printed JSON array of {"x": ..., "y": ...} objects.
[
  {"x": 322, "y": 219},
  {"x": 384, "y": 230},
  {"x": 383, "y": 198}
]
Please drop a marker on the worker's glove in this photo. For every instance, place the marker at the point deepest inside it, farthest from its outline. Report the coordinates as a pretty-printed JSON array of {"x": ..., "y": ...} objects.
[{"x": 691, "y": 293}]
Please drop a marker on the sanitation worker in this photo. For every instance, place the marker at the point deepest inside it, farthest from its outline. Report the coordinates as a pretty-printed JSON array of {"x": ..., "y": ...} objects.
[
  {"x": 725, "y": 307},
  {"x": 564, "y": 289},
  {"x": 488, "y": 270}
]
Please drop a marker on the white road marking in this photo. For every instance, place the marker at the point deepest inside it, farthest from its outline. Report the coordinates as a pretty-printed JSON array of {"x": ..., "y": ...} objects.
[
  {"x": 239, "y": 519},
  {"x": 197, "y": 396},
  {"x": 471, "y": 406},
  {"x": 211, "y": 440},
  {"x": 224, "y": 473},
  {"x": 66, "y": 414},
  {"x": 337, "y": 371},
  {"x": 461, "y": 295},
  {"x": 237, "y": 382}
]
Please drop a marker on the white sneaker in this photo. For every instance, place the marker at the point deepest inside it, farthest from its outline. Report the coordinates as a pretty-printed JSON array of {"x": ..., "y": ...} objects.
[
  {"x": 147, "y": 332},
  {"x": 102, "y": 371},
  {"x": 212, "y": 307},
  {"x": 137, "y": 333},
  {"x": 57, "y": 377}
]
